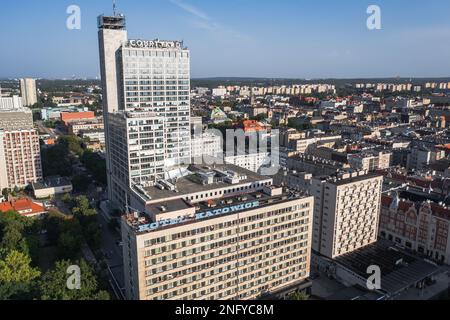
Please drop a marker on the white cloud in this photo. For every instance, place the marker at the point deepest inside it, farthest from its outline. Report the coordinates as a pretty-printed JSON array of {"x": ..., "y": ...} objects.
[
  {"x": 203, "y": 21},
  {"x": 191, "y": 9}
]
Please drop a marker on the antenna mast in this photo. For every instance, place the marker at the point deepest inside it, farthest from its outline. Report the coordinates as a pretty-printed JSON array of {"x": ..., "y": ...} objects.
[{"x": 114, "y": 7}]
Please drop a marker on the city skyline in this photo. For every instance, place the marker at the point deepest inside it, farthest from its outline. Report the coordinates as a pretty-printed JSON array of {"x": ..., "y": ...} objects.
[{"x": 269, "y": 40}]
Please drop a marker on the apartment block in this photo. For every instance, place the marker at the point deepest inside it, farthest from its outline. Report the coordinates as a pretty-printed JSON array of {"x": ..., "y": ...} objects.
[
  {"x": 346, "y": 212},
  {"x": 20, "y": 158},
  {"x": 28, "y": 91}
]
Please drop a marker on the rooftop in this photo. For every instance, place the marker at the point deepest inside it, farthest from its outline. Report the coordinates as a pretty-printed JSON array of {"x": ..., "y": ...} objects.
[
  {"x": 196, "y": 181},
  {"x": 25, "y": 207},
  {"x": 349, "y": 177},
  {"x": 205, "y": 210},
  {"x": 51, "y": 182},
  {"x": 399, "y": 270}
]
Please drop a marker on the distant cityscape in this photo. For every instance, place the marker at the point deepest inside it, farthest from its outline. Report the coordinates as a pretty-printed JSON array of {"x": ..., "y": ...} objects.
[{"x": 162, "y": 187}]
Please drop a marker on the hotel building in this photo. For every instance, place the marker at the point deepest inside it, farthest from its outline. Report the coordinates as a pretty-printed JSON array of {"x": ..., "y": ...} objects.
[
  {"x": 346, "y": 212},
  {"x": 146, "y": 108},
  {"x": 217, "y": 233}
]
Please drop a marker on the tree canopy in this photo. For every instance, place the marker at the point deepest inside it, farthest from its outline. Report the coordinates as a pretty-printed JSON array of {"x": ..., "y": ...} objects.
[{"x": 53, "y": 285}]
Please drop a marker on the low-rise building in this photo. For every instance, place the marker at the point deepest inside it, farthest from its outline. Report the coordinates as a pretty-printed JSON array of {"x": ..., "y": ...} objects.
[
  {"x": 24, "y": 207},
  {"x": 76, "y": 126},
  {"x": 370, "y": 161},
  {"x": 51, "y": 187},
  {"x": 422, "y": 226},
  {"x": 68, "y": 117}
]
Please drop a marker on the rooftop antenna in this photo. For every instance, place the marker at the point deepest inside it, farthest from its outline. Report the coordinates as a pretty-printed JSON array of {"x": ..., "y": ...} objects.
[{"x": 114, "y": 7}]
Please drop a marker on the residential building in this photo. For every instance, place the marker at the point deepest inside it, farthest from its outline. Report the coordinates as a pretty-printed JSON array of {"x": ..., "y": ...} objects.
[
  {"x": 76, "y": 126},
  {"x": 422, "y": 156},
  {"x": 370, "y": 161},
  {"x": 249, "y": 161},
  {"x": 8, "y": 103},
  {"x": 206, "y": 144},
  {"x": 346, "y": 212},
  {"x": 20, "y": 158},
  {"x": 422, "y": 226},
  {"x": 28, "y": 91},
  {"x": 24, "y": 207}
]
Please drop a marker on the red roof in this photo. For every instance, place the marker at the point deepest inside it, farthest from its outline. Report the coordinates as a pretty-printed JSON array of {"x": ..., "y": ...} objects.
[
  {"x": 24, "y": 207},
  {"x": 66, "y": 117}
]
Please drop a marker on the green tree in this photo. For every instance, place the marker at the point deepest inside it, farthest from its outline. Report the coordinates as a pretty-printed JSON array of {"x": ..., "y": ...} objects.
[
  {"x": 74, "y": 144},
  {"x": 70, "y": 238},
  {"x": 16, "y": 275},
  {"x": 81, "y": 182},
  {"x": 12, "y": 238},
  {"x": 53, "y": 285},
  {"x": 66, "y": 198},
  {"x": 56, "y": 161},
  {"x": 16, "y": 232},
  {"x": 95, "y": 164},
  {"x": 299, "y": 296}
]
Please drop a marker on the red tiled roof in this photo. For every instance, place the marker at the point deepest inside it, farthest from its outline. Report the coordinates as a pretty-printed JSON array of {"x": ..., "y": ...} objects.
[
  {"x": 22, "y": 205},
  {"x": 386, "y": 200}
]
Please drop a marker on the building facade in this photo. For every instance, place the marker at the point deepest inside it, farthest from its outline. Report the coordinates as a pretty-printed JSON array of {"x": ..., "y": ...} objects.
[
  {"x": 252, "y": 161},
  {"x": 8, "y": 103},
  {"x": 370, "y": 161},
  {"x": 423, "y": 227},
  {"x": 28, "y": 91},
  {"x": 206, "y": 144},
  {"x": 230, "y": 234},
  {"x": 146, "y": 107},
  {"x": 346, "y": 212},
  {"x": 20, "y": 158}
]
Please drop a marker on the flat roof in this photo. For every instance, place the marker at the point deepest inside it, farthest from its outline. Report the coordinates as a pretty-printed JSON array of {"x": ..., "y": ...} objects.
[
  {"x": 246, "y": 202},
  {"x": 191, "y": 184},
  {"x": 399, "y": 270},
  {"x": 356, "y": 179},
  {"x": 51, "y": 182}
]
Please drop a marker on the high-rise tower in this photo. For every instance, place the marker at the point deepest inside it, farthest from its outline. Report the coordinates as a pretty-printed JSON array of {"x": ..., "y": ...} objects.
[{"x": 146, "y": 85}]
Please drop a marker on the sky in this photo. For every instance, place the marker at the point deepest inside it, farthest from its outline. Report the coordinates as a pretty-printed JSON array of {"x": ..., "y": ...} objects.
[{"x": 237, "y": 38}]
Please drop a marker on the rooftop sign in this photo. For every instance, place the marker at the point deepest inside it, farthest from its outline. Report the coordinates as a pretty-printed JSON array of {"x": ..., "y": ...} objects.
[
  {"x": 154, "y": 44},
  {"x": 199, "y": 216}
]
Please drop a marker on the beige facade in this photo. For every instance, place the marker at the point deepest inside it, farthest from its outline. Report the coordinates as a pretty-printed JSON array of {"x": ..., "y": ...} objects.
[
  {"x": 346, "y": 212},
  {"x": 28, "y": 91},
  {"x": 240, "y": 239},
  {"x": 20, "y": 158},
  {"x": 370, "y": 162}
]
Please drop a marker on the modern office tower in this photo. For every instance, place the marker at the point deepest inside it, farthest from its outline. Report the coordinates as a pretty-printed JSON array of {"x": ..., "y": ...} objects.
[
  {"x": 346, "y": 212},
  {"x": 217, "y": 233},
  {"x": 20, "y": 158},
  {"x": 28, "y": 91},
  {"x": 146, "y": 108}
]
